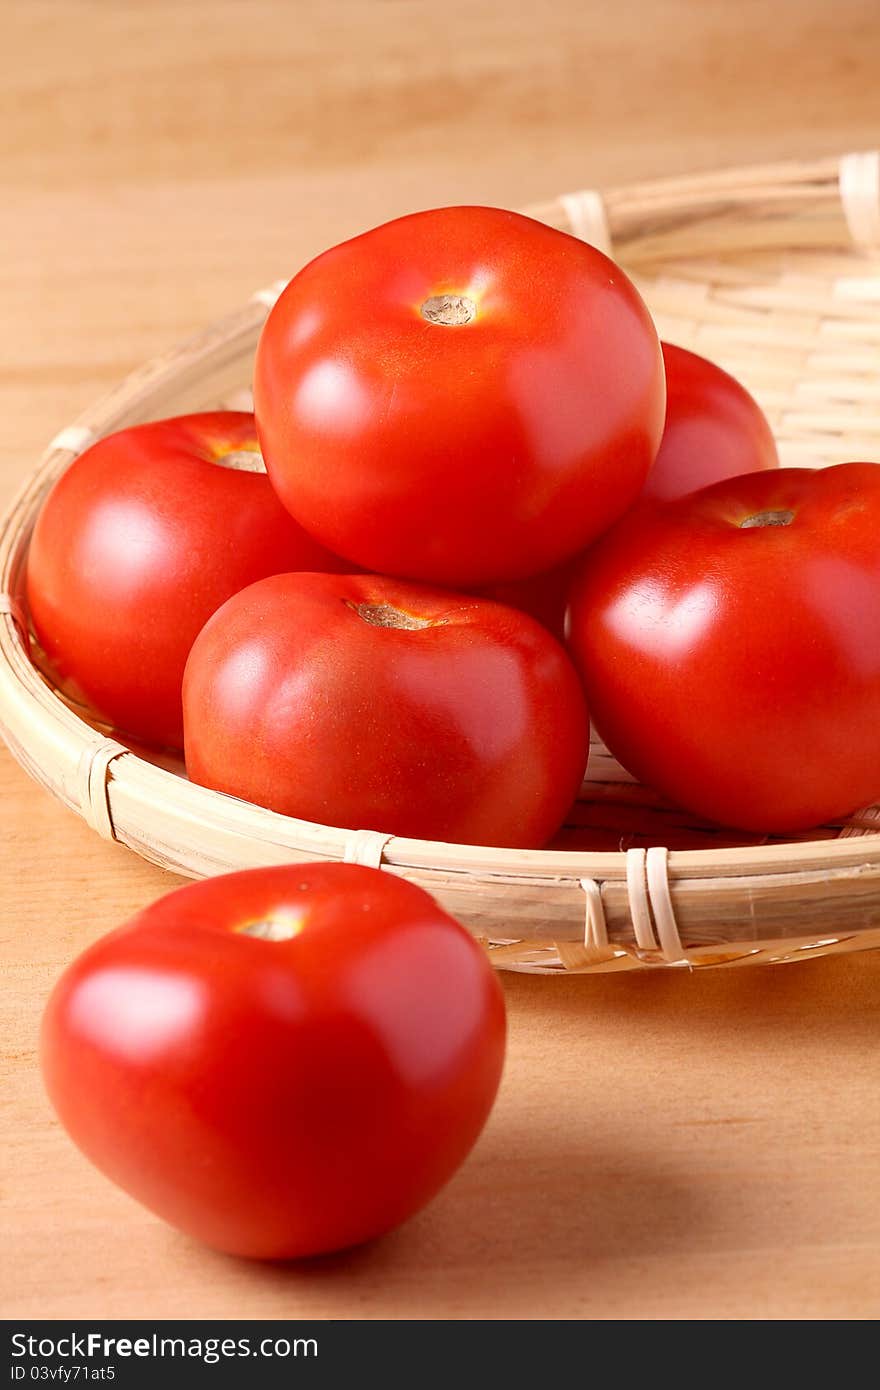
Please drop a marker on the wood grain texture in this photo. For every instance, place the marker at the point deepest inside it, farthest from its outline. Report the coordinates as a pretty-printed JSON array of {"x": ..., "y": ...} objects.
[{"x": 701, "y": 1146}]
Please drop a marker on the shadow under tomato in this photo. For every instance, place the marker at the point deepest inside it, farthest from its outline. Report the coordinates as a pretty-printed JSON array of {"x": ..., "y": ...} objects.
[
  {"x": 837, "y": 995},
  {"x": 656, "y": 1114},
  {"x": 518, "y": 1206}
]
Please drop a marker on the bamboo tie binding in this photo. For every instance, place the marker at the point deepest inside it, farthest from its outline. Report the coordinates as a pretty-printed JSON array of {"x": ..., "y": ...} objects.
[
  {"x": 93, "y": 778},
  {"x": 12, "y": 609},
  {"x": 650, "y": 905},
  {"x": 269, "y": 294},
  {"x": 587, "y": 218},
  {"x": 366, "y": 847},
  {"x": 650, "y": 901},
  {"x": 74, "y": 438},
  {"x": 859, "y": 182}
]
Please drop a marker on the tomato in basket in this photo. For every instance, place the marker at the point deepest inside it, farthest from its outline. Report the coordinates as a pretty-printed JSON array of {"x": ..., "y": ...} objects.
[
  {"x": 281, "y": 1061},
  {"x": 462, "y": 396},
  {"x": 729, "y": 644},
  {"x": 366, "y": 702},
  {"x": 137, "y": 544},
  {"x": 714, "y": 429}
]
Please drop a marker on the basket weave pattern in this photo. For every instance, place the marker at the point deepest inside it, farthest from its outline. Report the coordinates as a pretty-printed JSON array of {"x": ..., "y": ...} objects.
[{"x": 774, "y": 273}]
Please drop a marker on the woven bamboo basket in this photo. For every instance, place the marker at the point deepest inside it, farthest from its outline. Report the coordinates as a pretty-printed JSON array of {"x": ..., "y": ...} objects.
[{"x": 773, "y": 272}]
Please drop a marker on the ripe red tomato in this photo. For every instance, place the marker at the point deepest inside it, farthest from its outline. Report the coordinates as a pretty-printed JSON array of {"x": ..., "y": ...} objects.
[
  {"x": 543, "y": 596},
  {"x": 370, "y": 703},
  {"x": 462, "y": 396},
  {"x": 714, "y": 429},
  {"x": 730, "y": 646},
  {"x": 137, "y": 544},
  {"x": 279, "y": 1062}
]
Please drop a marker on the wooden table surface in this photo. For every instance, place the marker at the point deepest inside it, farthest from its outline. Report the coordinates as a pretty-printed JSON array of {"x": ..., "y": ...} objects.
[{"x": 684, "y": 1147}]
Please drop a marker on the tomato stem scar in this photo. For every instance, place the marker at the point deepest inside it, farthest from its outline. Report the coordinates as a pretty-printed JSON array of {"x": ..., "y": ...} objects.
[
  {"x": 449, "y": 309},
  {"x": 281, "y": 928},
  {"x": 386, "y": 615},
  {"x": 781, "y": 518},
  {"x": 241, "y": 460}
]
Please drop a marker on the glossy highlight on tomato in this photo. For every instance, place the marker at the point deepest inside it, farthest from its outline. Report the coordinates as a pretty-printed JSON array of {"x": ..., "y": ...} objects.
[
  {"x": 280, "y": 1062},
  {"x": 369, "y": 703},
  {"x": 137, "y": 544},
  {"x": 461, "y": 396},
  {"x": 729, "y": 644}
]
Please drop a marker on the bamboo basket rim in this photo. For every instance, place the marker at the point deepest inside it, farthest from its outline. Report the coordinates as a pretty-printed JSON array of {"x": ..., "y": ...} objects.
[{"x": 751, "y": 207}]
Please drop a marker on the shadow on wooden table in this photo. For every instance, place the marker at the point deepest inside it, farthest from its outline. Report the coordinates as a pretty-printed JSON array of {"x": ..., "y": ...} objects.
[
  {"x": 840, "y": 989},
  {"x": 564, "y": 1207}
]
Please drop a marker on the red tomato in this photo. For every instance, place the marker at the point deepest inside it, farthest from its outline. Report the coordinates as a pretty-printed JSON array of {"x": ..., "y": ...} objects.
[
  {"x": 279, "y": 1062},
  {"x": 365, "y": 702},
  {"x": 543, "y": 596},
  {"x": 714, "y": 428},
  {"x": 137, "y": 544},
  {"x": 463, "y": 396},
  {"x": 730, "y": 646}
]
